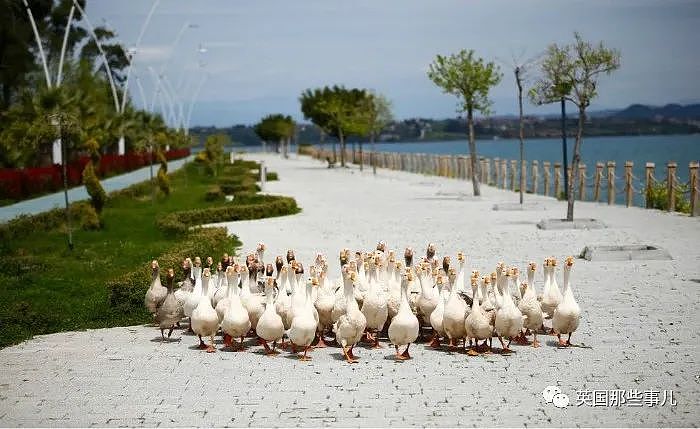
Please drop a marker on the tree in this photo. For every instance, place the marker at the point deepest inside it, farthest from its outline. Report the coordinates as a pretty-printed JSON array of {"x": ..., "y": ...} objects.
[
  {"x": 521, "y": 70},
  {"x": 276, "y": 128},
  {"x": 571, "y": 72},
  {"x": 470, "y": 79},
  {"x": 376, "y": 113},
  {"x": 310, "y": 101},
  {"x": 336, "y": 110}
]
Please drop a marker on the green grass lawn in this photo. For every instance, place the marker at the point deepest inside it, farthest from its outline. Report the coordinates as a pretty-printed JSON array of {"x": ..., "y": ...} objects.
[{"x": 45, "y": 288}]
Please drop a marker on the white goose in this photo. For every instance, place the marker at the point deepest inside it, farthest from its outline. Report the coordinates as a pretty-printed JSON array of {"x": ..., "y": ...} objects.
[
  {"x": 233, "y": 275},
  {"x": 221, "y": 291},
  {"x": 205, "y": 321},
  {"x": 169, "y": 311},
  {"x": 236, "y": 322},
  {"x": 429, "y": 295},
  {"x": 270, "y": 326},
  {"x": 185, "y": 287},
  {"x": 303, "y": 329},
  {"x": 455, "y": 311},
  {"x": 530, "y": 306},
  {"x": 392, "y": 285},
  {"x": 325, "y": 300},
  {"x": 404, "y": 327},
  {"x": 551, "y": 297},
  {"x": 351, "y": 325},
  {"x": 283, "y": 301},
  {"x": 253, "y": 303},
  {"x": 436, "y": 317},
  {"x": 477, "y": 324},
  {"x": 156, "y": 292},
  {"x": 374, "y": 306},
  {"x": 568, "y": 314},
  {"x": 509, "y": 320},
  {"x": 193, "y": 298}
]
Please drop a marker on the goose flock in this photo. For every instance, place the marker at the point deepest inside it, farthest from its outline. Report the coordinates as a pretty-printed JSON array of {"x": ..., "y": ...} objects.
[{"x": 376, "y": 296}]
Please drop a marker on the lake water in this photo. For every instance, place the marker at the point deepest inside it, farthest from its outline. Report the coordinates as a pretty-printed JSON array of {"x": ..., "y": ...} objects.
[{"x": 639, "y": 149}]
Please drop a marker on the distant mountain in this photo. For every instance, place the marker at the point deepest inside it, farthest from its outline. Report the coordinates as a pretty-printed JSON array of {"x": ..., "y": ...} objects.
[{"x": 674, "y": 111}]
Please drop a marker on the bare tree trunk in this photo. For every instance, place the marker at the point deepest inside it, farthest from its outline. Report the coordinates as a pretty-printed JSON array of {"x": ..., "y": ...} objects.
[
  {"x": 342, "y": 148},
  {"x": 521, "y": 134},
  {"x": 335, "y": 157},
  {"x": 574, "y": 164},
  {"x": 320, "y": 139},
  {"x": 472, "y": 154}
]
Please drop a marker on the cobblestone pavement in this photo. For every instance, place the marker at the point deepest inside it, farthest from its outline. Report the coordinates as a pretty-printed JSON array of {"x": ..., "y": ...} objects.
[{"x": 639, "y": 328}]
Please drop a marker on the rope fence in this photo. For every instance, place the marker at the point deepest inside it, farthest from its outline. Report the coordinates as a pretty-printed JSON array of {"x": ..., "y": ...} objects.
[{"x": 545, "y": 178}]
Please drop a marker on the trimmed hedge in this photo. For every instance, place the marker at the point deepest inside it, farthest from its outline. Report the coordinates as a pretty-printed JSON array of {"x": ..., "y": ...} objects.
[
  {"x": 214, "y": 194},
  {"x": 233, "y": 188},
  {"x": 82, "y": 213},
  {"x": 126, "y": 292},
  {"x": 246, "y": 207}
]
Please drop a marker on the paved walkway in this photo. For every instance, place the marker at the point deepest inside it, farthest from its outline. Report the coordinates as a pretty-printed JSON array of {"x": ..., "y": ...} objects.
[
  {"x": 47, "y": 202},
  {"x": 639, "y": 327}
]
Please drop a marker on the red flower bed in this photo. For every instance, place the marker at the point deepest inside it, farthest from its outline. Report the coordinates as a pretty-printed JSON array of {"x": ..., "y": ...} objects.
[{"x": 23, "y": 183}]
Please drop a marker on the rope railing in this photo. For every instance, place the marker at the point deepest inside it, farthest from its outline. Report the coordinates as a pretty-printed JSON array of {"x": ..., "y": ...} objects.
[{"x": 545, "y": 178}]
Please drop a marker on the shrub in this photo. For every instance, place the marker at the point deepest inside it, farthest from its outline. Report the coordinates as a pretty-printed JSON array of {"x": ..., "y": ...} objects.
[
  {"x": 657, "y": 195},
  {"x": 232, "y": 188},
  {"x": 88, "y": 218},
  {"x": 163, "y": 181},
  {"x": 134, "y": 191},
  {"x": 271, "y": 176},
  {"x": 214, "y": 194},
  {"x": 98, "y": 196},
  {"x": 126, "y": 291},
  {"x": 247, "y": 207}
]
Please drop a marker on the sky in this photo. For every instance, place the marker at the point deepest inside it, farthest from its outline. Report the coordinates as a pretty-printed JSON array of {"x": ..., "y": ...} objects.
[{"x": 258, "y": 56}]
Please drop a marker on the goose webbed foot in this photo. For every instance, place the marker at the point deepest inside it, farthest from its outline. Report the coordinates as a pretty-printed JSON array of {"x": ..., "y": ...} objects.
[
  {"x": 435, "y": 341},
  {"x": 210, "y": 348},
  {"x": 401, "y": 356},
  {"x": 521, "y": 339},
  {"x": 347, "y": 356},
  {"x": 201, "y": 346},
  {"x": 563, "y": 343},
  {"x": 320, "y": 344},
  {"x": 304, "y": 357},
  {"x": 227, "y": 339}
]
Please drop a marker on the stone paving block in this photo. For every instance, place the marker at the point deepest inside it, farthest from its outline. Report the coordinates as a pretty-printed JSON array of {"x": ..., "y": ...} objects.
[{"x": 563, "y": 224}]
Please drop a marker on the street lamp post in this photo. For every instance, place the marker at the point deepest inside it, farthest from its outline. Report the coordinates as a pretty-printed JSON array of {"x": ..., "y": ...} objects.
[{"x": 56, "y": 121}]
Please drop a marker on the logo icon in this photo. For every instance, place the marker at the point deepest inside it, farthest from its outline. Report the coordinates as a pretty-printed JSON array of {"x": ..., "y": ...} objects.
[{"x": 553, "y": 395}]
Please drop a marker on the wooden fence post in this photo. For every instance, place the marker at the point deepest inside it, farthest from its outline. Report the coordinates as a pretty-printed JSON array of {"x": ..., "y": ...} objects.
[
  {"x": 557, "y": 180},
  {"x": 628, "y": 183},
  {"x": 534, "y": 184},
  {"x": 504, "y": 173},
  {"x": 545, "y": 173},
  {"x": 671, "y": 185},
  {"x": 693, "y": 184},
  {"x": 513, "y": 169},
  {"x": 649, "y": 184},
  {"x": 497, "y": 171},
  {"x": 597, "y": 179},
  {"x": 582, "y": 182},
  {"x": 611, "y": 182}
]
